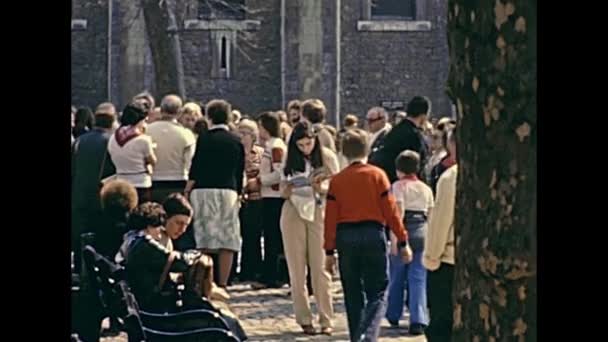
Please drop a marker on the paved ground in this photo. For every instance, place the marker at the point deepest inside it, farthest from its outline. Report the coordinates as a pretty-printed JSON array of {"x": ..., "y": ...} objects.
[{"x": 267, "y": 315}]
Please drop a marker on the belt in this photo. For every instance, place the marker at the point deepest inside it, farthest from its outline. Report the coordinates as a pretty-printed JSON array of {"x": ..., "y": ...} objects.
[
  {"x": 131, "y": 173},
  {"x": 415, "y": 214}
]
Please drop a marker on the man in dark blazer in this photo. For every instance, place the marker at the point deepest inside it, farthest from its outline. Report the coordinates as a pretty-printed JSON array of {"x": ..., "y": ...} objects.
[
  {"x": 405, "y": 136},
  {"x": 88, "y": 168}
]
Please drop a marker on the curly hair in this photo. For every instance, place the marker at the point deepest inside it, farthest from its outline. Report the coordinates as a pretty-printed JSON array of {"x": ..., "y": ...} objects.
[
  {"x": 148, "y": 214},
  {"x": 118, "y": 197},
  {"x": 192, "y": 109}
]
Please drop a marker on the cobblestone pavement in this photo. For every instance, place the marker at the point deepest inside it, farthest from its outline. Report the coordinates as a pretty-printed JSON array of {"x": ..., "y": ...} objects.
[{"x": 267, "y": 315}]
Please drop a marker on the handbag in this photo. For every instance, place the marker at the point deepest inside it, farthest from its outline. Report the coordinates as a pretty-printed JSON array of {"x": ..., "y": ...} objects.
[{"x": 105, "y": 180}]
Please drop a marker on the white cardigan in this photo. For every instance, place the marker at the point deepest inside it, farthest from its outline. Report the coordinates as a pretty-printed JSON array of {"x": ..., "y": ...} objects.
[
  {"x": 439, "y": 243},
  {"x": 303, "y": 198}
]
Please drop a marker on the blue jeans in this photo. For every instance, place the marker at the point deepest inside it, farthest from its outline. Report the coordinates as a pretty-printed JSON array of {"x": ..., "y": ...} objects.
[
  {"x": 363, "y": 263},
  {"x": 412, "y": 275}
]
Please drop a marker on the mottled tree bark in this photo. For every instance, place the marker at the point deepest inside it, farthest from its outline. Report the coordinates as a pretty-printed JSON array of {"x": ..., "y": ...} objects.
[
  {"x": 162, "y": 30},
  {"x": 493, "y": 83}
]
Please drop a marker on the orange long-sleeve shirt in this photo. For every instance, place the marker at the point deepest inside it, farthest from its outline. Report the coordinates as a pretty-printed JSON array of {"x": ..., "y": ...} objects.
[{"x": 361, "y": 192}]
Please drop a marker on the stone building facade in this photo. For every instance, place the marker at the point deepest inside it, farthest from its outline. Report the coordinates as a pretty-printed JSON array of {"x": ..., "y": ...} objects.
[{"x": 259, "y": 54}]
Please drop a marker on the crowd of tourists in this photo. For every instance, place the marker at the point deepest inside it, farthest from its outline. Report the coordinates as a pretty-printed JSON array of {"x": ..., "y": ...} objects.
[{"x": 272, "y": 199}]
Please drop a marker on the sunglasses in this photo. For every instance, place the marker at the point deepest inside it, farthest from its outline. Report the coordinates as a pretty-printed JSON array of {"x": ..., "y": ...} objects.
[{"x": 373, "y": 120}]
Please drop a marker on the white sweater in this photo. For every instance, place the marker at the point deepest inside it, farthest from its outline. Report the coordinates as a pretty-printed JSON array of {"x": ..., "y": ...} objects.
[
  {"x": 439, "y": 243},
  {"x": 303, "y": 199}
]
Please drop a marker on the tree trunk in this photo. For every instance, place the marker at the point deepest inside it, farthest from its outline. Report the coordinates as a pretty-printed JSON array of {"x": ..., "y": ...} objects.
[
  {"x": 493, "y": 83},
  {"x": 162, "y": 30}
]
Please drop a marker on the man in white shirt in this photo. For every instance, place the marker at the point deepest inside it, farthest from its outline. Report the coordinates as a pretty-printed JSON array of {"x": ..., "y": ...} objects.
[
  {"x": 175, "y": 147},
  {"x": 378, "y": 126}
]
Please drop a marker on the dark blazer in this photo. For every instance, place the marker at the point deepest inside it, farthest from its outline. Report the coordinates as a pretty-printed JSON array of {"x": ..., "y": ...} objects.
[
  {"x": 219, "y": 161},
  {"x": 146, "y": 260},
  {"x": 87, "y": 157},
  {"x": 404, "y": 136}
]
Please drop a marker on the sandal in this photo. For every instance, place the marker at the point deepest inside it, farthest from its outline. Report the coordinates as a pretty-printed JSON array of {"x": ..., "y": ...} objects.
[
  {"x": 327, "y": 331},
  {"x": 309, "y": 329}
]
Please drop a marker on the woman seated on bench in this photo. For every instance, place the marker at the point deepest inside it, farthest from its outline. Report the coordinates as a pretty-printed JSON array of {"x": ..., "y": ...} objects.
[
  {"x": 153, "y": 229},
  {"x": 179, "y": 215},
  {"x": 149, "y": 261}
]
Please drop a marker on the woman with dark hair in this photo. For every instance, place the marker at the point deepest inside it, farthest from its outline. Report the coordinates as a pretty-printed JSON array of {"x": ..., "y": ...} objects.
[
  {"x": 146, "y": 258},
  {"x": 305, "y": 177},
  {"x": 214, "y": 186},
  {"x": 132, "y": 151},
  {"x": 83, "y": 121},
  {"x": 274, "y": 271}
]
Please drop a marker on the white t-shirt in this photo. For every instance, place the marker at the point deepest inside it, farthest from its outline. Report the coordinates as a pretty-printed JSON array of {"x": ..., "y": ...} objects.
[
  {"x": 174, "y": 150},
  {"x": 130, "y": 160},
  {"x": 413, "y": 195}
]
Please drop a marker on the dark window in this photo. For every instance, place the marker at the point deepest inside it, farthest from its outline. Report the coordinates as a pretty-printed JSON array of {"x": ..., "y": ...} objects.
[
  {"x": 224, "y": 54},
  {"x": 222, "y": 9},
  {"x": 393, "y": 9}
]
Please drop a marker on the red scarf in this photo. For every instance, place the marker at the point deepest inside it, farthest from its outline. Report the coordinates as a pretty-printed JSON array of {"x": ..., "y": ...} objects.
[{"x": 125, "y": 133}]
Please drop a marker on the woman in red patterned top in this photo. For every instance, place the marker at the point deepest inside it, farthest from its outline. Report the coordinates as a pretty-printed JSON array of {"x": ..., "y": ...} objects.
[{"x": 251, "y": 210}]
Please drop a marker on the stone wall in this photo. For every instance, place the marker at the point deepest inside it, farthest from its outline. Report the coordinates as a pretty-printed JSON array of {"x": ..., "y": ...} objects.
[
  {"x": 389, "y": 65},
  {"x": 380, "y": 60},
  {"x": 254, "y": 83},
  {"x": 88, "y": 53}
]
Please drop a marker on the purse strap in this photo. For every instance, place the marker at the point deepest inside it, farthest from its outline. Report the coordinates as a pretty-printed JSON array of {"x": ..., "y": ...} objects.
[
  {"x": 163, "y": 276},
  {"x": 103, "y": 165}
]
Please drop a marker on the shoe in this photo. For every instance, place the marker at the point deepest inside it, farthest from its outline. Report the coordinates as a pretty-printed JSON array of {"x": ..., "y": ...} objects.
[
  {"x": 394, "y": 324},
  {"x": 309, "y": 329},
  {"x": 219, "y": 293},
  {"x": 417, "y": 329},
  {"x": 327, "y": 331}
]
